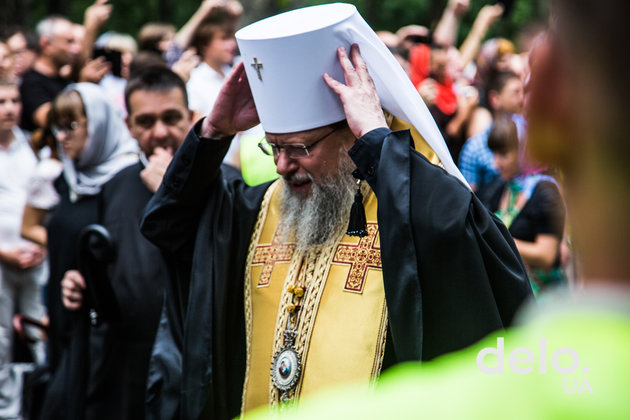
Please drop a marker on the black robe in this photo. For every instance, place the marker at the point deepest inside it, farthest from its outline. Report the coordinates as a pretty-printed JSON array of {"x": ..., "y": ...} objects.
[
  {"x": 451, "y": 271},
  {"x": 105, "y": 368},
  {"x": 137, "y": 276},
  {"x": 66, "y": 222}
]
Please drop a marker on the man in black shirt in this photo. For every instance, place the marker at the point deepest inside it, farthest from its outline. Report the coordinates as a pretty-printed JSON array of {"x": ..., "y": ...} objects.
[
  {"x": 58, "y": 47},
  {"x": 159, "y": 120}
]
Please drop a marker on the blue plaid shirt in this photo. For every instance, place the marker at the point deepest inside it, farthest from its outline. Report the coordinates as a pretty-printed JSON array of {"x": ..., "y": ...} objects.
[{"x": 476, "y": 161}]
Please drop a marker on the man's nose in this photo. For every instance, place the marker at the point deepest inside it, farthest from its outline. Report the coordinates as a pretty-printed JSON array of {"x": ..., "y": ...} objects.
[
  {"x": 284, "y": 164},
  {"x": 61, "y": 135},
  {"x": 160, "y": 130},
  {"x": 75, "y": 49}
]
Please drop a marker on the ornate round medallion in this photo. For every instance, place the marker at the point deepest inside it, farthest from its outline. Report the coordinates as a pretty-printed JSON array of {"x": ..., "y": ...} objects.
[{"x": 285, "y": 368}]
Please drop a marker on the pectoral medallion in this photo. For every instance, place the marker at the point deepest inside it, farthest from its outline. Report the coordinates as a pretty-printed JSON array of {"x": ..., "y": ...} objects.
[{"x": 286, "y": 365}]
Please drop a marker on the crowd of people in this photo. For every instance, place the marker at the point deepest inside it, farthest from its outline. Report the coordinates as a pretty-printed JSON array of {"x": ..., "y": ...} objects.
[{"x": 381, "y": 198}]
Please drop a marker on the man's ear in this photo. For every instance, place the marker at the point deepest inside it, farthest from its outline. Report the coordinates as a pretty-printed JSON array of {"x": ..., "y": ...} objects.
[
  {"x": 203, "y": 49},
  {"x": 128, "y": 121},
  {"x": 493, "y": 100},
  {"x": 44, "y": 41}
]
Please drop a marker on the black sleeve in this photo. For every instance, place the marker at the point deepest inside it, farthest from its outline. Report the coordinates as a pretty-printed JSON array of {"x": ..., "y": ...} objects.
[
  {"x": 202, "y": 217},
  {"x": 173, "y": 213},
  {"x": 451, "y": 270},
  {"x": 35, "y": 91},
  {"x": 549, "y": 208},
  {"x": 490, "y": 194}
]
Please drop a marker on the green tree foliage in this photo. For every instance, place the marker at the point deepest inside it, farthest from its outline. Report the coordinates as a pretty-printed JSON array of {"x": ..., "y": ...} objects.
[{"x": 130, "y": 15}]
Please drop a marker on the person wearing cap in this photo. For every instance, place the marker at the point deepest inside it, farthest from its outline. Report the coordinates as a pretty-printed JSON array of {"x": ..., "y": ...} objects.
[{"x": 306, "y": 282}]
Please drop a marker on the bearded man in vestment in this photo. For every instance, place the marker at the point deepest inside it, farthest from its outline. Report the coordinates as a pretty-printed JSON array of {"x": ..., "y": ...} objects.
[{"x": 362, "y": 255}]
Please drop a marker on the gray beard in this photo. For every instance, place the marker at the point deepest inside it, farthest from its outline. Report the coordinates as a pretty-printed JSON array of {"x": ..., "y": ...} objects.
[{"x": 322, "y": 216}]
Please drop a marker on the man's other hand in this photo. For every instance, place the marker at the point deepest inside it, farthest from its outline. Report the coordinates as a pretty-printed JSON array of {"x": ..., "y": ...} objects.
[{"x": 153, "y": 174}]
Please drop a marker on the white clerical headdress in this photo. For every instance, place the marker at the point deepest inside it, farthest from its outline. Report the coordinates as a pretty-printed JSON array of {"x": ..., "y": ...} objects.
[{"x": 286, "y": 55}]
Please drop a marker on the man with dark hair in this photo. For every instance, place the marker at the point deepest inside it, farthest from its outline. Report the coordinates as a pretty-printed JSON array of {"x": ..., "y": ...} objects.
[
  {"x": 159, "y": 120},
  {"x": 505, "y": 96}
]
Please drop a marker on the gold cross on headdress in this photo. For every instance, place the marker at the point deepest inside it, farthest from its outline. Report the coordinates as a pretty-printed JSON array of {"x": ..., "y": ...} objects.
[{"x": 257, "y": 66}]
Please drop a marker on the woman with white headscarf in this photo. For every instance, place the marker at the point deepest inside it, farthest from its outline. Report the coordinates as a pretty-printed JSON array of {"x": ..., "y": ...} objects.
[
  {"x": 94, "y": 145},
  {"x": 94, "y": 141}
]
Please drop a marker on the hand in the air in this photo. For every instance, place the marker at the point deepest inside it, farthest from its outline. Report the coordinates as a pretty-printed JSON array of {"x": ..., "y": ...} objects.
[{"x": 234, "y": 109}]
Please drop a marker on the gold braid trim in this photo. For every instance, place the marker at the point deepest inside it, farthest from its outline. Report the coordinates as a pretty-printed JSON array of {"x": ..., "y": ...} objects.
[
  {"x": 380, "y": 350},
  {"x": 260, "y": 221},
  {"x": 321, "y": 266},
  {"x": 282, "y": 318},
  {"x": 311, "y": 270}
]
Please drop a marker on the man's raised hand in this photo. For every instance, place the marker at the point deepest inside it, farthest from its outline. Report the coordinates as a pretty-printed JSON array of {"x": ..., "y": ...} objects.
[
  {"x": 234, "y": 109},
  {"x": 358, "y": 96}
]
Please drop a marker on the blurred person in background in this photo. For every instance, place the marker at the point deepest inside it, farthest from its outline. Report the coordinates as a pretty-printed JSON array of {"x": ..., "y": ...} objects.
[
  {"x": 21, "y": 269},
  {"x": 43, "y": 81},
  {"x": 530, "y": 206},
  {"x": 176, "y": 46},
  {"x": 164, "y": 39},
  {"x": 23, "y": 45},
  {"x": 93, "y": 144},
  {"x": 214, "y": 42},
  {"x": 156, "y": 37},
  {"x": 436, "y": 69},
  {"x": 495, "y": 56},
  {"x": 42, "y": 196},
  {"x": 216, "y": 46},
  {"x": 155, "y": 40},
  {"x": 6, "y": 62},
  {"x": 506, "y": 95},
  {"x": 120, "y": 49}
]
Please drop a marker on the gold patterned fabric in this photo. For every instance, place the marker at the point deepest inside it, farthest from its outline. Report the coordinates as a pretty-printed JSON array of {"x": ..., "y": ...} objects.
[
  {"x": 420, "y": 144},
  {"x": 341, "y": 319}
]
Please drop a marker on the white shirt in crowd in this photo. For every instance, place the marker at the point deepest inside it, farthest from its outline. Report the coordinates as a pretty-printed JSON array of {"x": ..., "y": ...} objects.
[
  {"x": 17, "y": 165},
  {"x": 203, "y": 87}
]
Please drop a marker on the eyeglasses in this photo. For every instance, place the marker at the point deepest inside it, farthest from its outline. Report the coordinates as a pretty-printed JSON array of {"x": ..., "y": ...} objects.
[
  {"x": 170, "y": 118},
  {"x": 294, "y": 150},
  {"x": 65, "y": 129}
]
